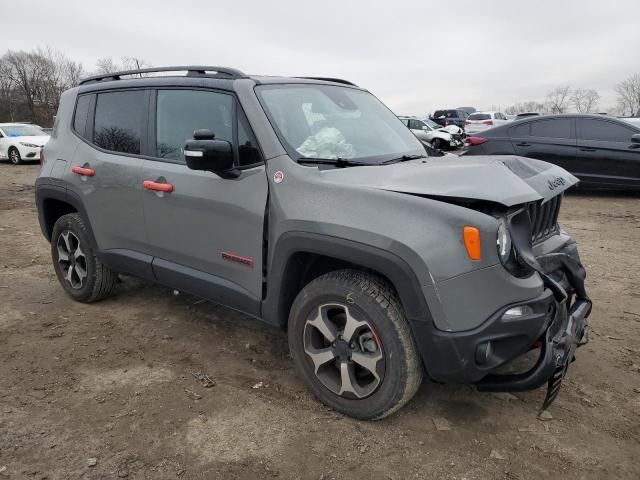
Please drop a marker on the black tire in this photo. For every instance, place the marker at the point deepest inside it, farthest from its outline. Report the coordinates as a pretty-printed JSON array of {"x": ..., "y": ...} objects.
[
  {"x": 99, "y": 280},
  {"x": 436, "y": 143},
  {"x": 373, "y": 300},
  {"x": 14, "y": 156}
]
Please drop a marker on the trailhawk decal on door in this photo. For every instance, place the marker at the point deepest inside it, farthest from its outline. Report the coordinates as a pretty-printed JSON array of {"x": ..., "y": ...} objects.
[{"x": 232, "y": 257}]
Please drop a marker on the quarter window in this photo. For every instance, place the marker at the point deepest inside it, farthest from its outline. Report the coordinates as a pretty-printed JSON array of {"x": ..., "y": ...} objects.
[
  {"x": 180, "y": 112},
  {"x": 82, "y": 110},
  {"x": 604, "y": 131},
  {"x": 248, "y": 153},
  {"x": 552, "y": 128},
  {"x": 118, "y": 121}
]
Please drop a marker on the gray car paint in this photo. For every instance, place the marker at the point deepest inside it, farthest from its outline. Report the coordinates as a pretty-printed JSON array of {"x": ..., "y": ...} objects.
[{"x": 387, "y": 207}]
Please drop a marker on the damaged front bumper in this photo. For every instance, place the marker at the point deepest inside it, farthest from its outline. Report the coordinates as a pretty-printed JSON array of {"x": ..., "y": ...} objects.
[
  {"x": 563, "y": 276},
  {"x": 555, "y": 322}
]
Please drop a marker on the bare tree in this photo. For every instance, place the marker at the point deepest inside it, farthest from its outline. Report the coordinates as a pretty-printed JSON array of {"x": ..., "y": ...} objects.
[
  {"x": 522, "y": 107},
  {"x": 585, "y": 100},
  {"x": 629, "y": 95},
  {"x": 107, "y": 65},
  {"x": 558, "y": 99}
]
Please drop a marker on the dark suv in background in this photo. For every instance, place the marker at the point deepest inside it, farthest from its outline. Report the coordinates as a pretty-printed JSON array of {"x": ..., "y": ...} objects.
[
  {"x": 602, "y": 152},
  {"x": 450, "y": 117}
]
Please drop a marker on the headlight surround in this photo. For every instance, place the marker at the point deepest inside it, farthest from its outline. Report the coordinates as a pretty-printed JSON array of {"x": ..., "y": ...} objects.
[
  {"x": 30, "y": 145},
  {"x": 504, "y": 243}
]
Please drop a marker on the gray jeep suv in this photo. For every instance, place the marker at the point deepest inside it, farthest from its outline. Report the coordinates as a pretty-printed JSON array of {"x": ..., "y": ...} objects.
[{"x": 306, "y": 203}]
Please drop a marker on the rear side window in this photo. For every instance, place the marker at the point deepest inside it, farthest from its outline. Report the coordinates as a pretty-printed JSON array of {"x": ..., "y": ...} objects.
[
  {"x": 180, "y": 112},
  {"x": 520, "y": 130},
  {"x": 81, "y": 114},
  {"x": 604, "y": 131},
  {"x": 479, "y": 116},
  {"x": 118, "y": 121},
  {"x": 438, "y": 114},
  {"x": 552, "y": 128}
]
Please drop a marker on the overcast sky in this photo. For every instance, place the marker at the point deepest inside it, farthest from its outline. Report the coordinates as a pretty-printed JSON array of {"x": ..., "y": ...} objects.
[{"x": 415, "y": 55}]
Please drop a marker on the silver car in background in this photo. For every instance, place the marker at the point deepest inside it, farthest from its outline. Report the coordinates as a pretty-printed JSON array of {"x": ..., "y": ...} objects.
[{"x": 479, "y": 121}]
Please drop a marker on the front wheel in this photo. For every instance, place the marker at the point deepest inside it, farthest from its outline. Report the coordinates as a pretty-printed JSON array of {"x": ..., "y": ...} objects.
[
  {"x": 14, "y": 156},
  {"x": 436, "y": 143},
  {"x": 352, "y": 345}
]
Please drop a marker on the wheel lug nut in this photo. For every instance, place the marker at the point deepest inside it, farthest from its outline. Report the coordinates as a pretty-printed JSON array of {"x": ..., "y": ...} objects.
[{"x": 352, "y": 345}]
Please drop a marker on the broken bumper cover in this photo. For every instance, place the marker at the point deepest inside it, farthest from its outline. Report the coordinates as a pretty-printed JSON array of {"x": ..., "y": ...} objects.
[
  {"x": 564, "y": 276},
  {"x": 556, "y": 321}
]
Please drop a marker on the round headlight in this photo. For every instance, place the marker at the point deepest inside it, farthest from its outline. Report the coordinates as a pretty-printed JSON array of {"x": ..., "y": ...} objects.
[{"x": 504, "y": 242}]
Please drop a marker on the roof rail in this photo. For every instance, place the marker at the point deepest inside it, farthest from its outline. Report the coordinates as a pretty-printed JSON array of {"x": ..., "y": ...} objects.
[
  {"x": 192, "y": 71},
  {"x": 329, "y": 79}
]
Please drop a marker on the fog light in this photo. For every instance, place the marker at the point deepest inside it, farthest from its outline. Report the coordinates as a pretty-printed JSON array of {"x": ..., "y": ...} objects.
[{"x": 516, "y": 312}]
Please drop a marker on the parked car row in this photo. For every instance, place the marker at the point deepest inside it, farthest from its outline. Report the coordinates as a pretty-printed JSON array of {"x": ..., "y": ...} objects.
[
  {"x": 21, "y": 141},
  {"x": 601, "y": 151}
]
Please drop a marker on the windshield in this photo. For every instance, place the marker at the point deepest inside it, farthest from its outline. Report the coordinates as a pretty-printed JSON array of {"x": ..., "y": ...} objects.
[
  {"x": 331, "y": 122},
  {"x": 431, "y": 123},
  {"x": 22, "y": 131}
]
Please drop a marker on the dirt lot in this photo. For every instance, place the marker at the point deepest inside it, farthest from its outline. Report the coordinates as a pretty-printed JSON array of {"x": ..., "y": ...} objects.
[{"x": 112, "y": 383}]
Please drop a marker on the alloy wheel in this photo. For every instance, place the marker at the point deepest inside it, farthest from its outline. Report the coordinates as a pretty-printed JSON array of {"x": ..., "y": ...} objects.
[
  {"x": 72, "y": 260},
  {"x": 346, "y": 352},
  {"x": 14, "y": 156}
]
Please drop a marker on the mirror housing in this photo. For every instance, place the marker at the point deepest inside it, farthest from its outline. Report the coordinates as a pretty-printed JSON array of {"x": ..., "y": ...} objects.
[
  {"x": 204, "y": 152},
  {"x": 635, "y": 138}
]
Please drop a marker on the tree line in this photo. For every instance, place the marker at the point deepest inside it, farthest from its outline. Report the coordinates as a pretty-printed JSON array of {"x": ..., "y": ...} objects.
[{"x": 31, "y": 83}]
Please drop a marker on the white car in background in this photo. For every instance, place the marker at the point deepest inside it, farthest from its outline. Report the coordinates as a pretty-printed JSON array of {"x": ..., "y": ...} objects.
[
  {"x": 21, "y": 141},
  {"x": 479, "y": 121},
  {"x": 430, "y": 132}
]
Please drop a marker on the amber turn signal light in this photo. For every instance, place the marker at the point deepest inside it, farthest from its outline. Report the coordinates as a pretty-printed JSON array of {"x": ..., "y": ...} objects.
[{"x": 472, "y": 242}]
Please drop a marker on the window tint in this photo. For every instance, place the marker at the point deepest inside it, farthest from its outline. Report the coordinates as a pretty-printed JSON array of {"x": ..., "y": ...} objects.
[
  {"x": 520, "y": 130},
  {"x": 180, "y": 112},
  {"x": 118, "y": 121},
  {"x": 552, "y": 128},
  {"x": 416, "y": 124},
  {"x": 602, "y": 130},
  {"x": 80, "y": 118},
  {"x": 248, "y": 152}
]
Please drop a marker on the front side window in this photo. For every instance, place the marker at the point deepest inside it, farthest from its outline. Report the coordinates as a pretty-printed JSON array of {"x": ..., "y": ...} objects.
[
  {"x": 331, "y": 122},
  {"x": 416, "y": 124},
  {"x": 118, "y": 121},
  {"x": 604, "y": 131},
  {"x": 180, "y": 112},
  {"x": 552, "y": 128}
]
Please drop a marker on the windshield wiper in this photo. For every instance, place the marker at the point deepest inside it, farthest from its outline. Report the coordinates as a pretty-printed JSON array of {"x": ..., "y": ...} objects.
[
  {"x": 404, "y": 158},
  {"x": 338, "y": 162}
]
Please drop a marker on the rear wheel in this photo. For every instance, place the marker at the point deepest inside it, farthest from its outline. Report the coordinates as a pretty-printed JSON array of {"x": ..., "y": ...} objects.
[
  {"x": 352, "y": 344},
  {"x": 77, "y": 267},
  {"x": 14, "y": 156}
]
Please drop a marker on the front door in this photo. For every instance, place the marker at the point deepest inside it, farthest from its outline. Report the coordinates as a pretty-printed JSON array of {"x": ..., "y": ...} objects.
[
  {"x": 606, "y": 154},
  {"x": 206, "y": 234}
]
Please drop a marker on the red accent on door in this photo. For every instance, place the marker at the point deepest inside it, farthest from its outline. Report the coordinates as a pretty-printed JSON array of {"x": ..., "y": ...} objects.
[
  {"x": 232, "y": 257},
  {"x": 87, "y": 172},
  {"x": 158, "y": 187}
]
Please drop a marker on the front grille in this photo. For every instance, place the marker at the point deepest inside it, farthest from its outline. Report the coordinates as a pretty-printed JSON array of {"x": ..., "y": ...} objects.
[{"x": 544, "y": 219}]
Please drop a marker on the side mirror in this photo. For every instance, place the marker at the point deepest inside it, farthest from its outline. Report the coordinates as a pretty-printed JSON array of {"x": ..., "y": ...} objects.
[
  {"x": 204, "y": 152},
  {"x": 635, "y": 138}
]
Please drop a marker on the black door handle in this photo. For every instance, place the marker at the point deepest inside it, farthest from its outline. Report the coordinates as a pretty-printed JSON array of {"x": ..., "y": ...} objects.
[
  {"x": 523, "y": 144},
  {"x": 587, "y": 149}
]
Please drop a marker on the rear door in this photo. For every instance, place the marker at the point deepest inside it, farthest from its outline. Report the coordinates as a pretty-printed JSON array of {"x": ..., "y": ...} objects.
[
  {"x": 605, "y": 153},
  {"x": 106, "y": 170},
  {"x": 207, "y": 233},
  {"x": 550, "y": 139}
]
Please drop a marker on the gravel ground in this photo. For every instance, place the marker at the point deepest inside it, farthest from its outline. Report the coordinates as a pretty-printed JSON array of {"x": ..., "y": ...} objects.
[{"x": 107, "y": 390}]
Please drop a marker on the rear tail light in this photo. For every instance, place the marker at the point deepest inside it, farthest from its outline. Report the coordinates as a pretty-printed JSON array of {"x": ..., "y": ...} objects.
[
  {"x": 488, "y": 122},
  {"x": 467, "y": 122},
  {"x": 471, "y": 141},
  {"x": 446, "y": 122}
]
